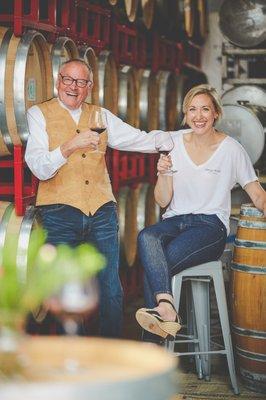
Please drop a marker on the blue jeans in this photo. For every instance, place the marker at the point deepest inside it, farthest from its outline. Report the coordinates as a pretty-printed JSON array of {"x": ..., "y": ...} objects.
[
  {"x": 68, "y": 225},
  {"x": 175, "y": 244}
]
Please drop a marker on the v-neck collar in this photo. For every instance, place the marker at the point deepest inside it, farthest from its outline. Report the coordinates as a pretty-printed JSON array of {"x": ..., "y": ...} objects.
[{"x": 207, "y": 161}]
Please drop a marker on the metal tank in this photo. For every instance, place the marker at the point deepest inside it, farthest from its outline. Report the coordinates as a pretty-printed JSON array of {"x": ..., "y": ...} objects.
[
  {"x": 247, "y": 124},
  {"x": 245, "y": 93},
  {"x": 243, "y": 22}
]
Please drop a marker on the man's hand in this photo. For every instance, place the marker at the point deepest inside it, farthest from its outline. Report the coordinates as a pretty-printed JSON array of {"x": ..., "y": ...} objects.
[{"x": 86, "y": 139}]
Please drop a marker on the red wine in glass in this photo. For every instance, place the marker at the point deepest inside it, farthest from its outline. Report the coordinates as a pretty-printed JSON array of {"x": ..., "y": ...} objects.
[
  {"x": 164, "y": 152},
  {"x": 98, "y": 130},
  {"x": 164, "y": 144}
]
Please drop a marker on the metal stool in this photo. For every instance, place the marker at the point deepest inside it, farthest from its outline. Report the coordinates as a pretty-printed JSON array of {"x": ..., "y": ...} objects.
[{"x": 198, "y": 317}]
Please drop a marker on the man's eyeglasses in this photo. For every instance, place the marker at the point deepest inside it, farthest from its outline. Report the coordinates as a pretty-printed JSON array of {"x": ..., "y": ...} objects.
[{"x": 67, "y": 80}]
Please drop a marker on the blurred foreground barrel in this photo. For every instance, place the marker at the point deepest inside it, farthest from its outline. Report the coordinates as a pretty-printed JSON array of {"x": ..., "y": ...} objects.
[
  {"x": 243, "y": 22},
  {"x": 63, "y": 50},
  {"x": 108, "y": 81},
  {"x": 247, "y": 125},
  {"x": 17, "y": 229},
  {"x": 25, "y": 79},
  {"x": 89, "y": 56},
  {"x": 248, "y": 297},
  {"x": 91, "y": 368}
]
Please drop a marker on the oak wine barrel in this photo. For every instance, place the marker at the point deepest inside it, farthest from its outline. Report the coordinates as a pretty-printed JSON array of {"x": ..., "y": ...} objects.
[
  {"x": 108, "y": 81},
  {"x": 167, "y": 100},
  {"x": 248, "y": 297},
  {"x": 137, "y": 209},
  {"x": 88, "y": 55},
  {"x": 91, "y": 368},
  {"x": 147, "y": 7},
  {"x": 128, "y": 109},
  {"x": 25, "y": 79},
  {"x": 131, "y": 7},
  {"x": 63, "y": 50},
  {"x": 19, "y": 229}
]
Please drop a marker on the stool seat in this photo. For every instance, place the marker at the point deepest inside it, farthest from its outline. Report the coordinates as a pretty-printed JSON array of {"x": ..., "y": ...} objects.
[{"x": 198, "y": 335}]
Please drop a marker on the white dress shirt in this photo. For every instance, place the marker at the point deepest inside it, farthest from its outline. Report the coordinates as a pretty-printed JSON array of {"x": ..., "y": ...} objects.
[{"x": 44, "y": 163}]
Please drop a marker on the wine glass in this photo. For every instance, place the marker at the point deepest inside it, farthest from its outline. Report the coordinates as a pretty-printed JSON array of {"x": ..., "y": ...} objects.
[
  {"x": 75, "y": 301},
  {"x": 164, "y": 144},
  {"x": 99, "y": 122}
]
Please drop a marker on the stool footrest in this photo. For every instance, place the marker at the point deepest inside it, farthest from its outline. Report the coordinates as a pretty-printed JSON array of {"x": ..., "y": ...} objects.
[{"x": 193, "y": 353}]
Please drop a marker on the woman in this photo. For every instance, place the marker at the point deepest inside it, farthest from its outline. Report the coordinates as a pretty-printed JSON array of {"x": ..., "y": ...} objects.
[{"x": 195, "y": 225}]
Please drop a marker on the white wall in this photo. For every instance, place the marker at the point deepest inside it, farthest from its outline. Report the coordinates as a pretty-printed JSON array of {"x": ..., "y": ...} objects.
[{"x": 212, "y": 49}]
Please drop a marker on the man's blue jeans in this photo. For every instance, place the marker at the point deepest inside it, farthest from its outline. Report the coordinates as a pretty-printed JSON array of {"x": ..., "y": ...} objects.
[
  {"x": 175, "y": 244},
  {"x": 68, "y": 225}
]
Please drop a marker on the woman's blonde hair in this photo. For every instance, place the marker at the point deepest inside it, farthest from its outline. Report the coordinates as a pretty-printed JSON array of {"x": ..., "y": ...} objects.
[{"x": 203, "y": 89}]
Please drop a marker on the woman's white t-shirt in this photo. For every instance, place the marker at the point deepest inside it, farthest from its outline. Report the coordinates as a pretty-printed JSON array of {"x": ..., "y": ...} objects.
[{"x": 206, "y": 188}]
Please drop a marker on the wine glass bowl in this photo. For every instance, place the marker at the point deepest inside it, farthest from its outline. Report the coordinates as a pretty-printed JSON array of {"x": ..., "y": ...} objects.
[
  {"x": 164, "y": 144},
  {"x": 74, "y": 302},
  {"x": 98, "y": 123}
]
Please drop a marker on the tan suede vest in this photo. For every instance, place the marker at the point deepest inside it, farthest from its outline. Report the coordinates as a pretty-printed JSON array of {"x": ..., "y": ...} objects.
[{"x": 83, "y": 182}]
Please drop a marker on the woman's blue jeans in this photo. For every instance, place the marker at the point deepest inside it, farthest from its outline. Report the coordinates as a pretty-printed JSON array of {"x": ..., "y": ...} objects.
[
  {"x": 68, "y": 225},
  {"x": 175, "y": 244}
]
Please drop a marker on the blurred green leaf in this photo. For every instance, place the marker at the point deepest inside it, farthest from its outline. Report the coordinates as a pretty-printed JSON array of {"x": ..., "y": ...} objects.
[{"x": 49, "y": 268}]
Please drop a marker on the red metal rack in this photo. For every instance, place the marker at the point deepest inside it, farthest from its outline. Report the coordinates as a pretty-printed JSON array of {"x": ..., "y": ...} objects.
[
  {"x": 166, "y": 54},
  {"x": 31, "y": 17},
  {"x": 191, "y": 54},
  {"x": 91, "y": 24},
  {"x": 22, "y": 192},
  {"x": 124, "y": 43}
]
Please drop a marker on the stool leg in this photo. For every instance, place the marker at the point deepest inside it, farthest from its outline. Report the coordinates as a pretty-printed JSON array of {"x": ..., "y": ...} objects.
[
  {"x": 191, "y": 328},
  {"x": 200, "y": 292},
  {"x": 176, "y": 289},
  {"x": 222, "y": 308}
]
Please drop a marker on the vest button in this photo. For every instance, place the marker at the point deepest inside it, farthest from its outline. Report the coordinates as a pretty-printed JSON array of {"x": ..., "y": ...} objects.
[
  {"x": 77, "y": 130},
  {"x": 87, "y": 182},
  {"x": 84, "y": 155}
]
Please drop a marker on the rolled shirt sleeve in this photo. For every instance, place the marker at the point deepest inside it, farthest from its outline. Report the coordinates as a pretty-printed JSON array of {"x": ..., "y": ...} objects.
[{"x": 122, "y": 136}]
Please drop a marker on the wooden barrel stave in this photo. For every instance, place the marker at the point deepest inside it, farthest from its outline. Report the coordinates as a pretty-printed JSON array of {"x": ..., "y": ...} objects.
[
  {"x": 248, "y": 291},
  {"x": 26, "y": 79},
  {"x": 91, "y": 368}
]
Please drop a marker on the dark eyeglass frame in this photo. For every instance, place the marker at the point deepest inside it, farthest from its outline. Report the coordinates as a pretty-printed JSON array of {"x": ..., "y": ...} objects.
[{"x": 82, "y": 83}]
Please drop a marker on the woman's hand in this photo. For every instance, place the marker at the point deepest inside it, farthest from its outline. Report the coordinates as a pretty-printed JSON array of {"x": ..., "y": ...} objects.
[{"x": 164, "y": 164}]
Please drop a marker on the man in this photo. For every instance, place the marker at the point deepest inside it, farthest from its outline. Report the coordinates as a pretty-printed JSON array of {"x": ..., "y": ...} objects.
[{"x": 75, "y": 197}]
